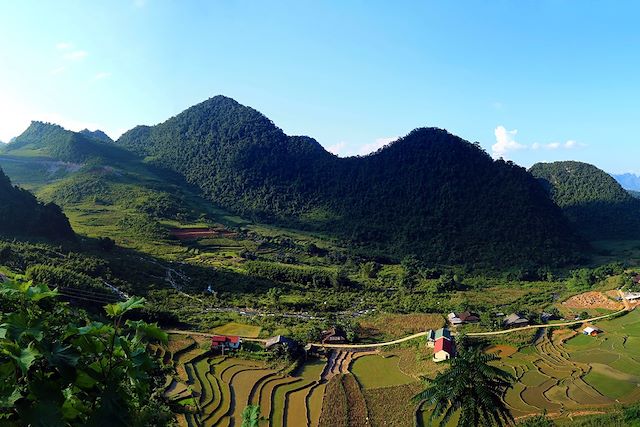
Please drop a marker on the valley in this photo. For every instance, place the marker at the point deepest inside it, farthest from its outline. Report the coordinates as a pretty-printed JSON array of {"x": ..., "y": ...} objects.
[{"x": 207, "y": 271}]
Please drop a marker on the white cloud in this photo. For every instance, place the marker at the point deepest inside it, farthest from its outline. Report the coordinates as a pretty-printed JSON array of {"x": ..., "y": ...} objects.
[
  {"x": 505, "y": 142},
  {"x": 337, "y": 149},
  {"x": 571, "y": 144},
  {"x": 101, "y": 75},
  {"x": 64, "y": 46},
  {"x": 375, "y": 146},
  {"x": 76, "y": 55}
]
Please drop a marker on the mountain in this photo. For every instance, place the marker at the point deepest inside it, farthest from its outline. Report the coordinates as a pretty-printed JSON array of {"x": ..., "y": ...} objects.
[
  {"x": 21, "y": 215},
  {"x": 628, "y": 181},
  {"x": 106, "y": 190},
  {"x": 595, "y": 203},
  {"x": 46, "y": 140},
  {"x": 430, "y": 193},
  {"x": 97, "y": 134}
]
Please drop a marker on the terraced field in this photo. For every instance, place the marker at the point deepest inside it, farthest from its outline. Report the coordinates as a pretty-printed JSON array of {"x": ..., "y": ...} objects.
[{"x": 567, "y": 371}]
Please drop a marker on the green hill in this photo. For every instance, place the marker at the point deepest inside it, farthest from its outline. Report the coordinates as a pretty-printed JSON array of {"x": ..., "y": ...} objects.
[
  {"x": 595, "y": 203},
  {"x": 21, "y": 215},
  {"x": 104, "y": 189},
  {"x": 430, "y": 193},
  {"x": 49, "y": 141}
]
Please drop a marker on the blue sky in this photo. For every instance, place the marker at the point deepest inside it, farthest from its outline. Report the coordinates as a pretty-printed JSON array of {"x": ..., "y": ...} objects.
[{"x": 529, "y": 80}]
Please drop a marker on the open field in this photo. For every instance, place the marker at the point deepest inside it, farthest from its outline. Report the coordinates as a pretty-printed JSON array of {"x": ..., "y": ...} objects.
[{"x": 239, "y": 329}]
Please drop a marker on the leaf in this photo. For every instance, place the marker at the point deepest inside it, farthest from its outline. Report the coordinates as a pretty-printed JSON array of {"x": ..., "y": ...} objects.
[
  {"x": 150, "y": 331},
  {"x": 18, "y": 327},
  {"x": 22, "y": 357},
  {"x": 72, "y": 407},
  {"x": 84, "y": 380},
  {"x": 32, "y": 292},
  {"x": 62, "y": 356},
  {"x": 120, "y": 308},
  {"x": 8, "y": 400}
]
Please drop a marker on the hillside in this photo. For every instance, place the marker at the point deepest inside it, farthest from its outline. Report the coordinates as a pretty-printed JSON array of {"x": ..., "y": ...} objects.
[
  {"x": 597, "y": 205},
  {"x": 21, "y": 215},
  {"x": 104, "y": 189},
  {"x": 430, "y": 193}
]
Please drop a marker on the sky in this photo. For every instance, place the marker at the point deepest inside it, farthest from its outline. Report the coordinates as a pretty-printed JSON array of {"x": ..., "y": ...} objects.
[{"x": 529, "y": 80}]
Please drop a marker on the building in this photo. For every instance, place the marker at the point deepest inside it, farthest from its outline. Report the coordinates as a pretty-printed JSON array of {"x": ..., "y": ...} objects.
[
  {"x": 222, "y": 342},
  {"x": 443, "y": 349},
  {"x": 431, "y": 338},
  {"x": 334, "y": 335},
  {"x": 632, "y": 296},
  {"x": 460, "y": 318},
  {"x": 280, "y": 340},
  {"x": 514, "y": 321},
  {"x": 591, "y": 330}
]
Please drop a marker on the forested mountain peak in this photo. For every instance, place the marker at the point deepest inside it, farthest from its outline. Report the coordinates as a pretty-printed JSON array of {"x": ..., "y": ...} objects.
[
  {"x": 97, "y": 134},
  {"x": 593, "y": 201},
  {"x": 22, "y": 215},
  {"x": 48, "y": 140},
  {"x": 430, "y": 193}
]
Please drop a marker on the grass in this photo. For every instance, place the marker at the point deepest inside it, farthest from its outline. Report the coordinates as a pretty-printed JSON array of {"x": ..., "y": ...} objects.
[
  {"x": 609, "y": 386},
  {"x": 376, "y": 371},
  {"x": 239, "y": 329},
  {"x": 387, "y": 326}
]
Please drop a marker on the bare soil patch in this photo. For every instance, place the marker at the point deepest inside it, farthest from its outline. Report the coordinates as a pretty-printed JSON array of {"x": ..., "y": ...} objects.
[{"x": 592, "y": 299}]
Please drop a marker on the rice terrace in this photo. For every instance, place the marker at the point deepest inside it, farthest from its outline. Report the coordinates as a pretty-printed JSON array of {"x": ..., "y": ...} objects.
[{"x": 563, "y": 373}]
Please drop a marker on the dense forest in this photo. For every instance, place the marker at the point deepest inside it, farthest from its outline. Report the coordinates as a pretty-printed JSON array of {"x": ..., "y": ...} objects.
[
  {"x": 21, "y": 215},
  {"x": 597, "y": 206},
  {"x": 430, "y": 193}
]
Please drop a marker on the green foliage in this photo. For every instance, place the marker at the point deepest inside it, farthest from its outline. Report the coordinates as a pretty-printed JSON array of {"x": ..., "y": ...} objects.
[
  {"x": 471, "y": 386},
  {"x": 388, "y": 202},
  {"x": 251, "y": 416},
  {"x": 57, "y": 365},
  {"x": 22, "y": 215},
  {"x": 597, "y": 206}
]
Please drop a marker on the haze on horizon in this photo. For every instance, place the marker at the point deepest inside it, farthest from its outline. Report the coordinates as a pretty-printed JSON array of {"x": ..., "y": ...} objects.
[{"x": 532, "y": 81}]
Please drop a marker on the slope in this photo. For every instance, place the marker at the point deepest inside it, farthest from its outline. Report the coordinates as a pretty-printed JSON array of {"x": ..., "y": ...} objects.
[
  {"x": 431, "y": 193},
  {"x": 597, "y": 206},
  {"x": 21, "y": 215}
]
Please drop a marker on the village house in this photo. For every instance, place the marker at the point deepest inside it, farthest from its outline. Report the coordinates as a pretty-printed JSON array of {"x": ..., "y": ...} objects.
[
  {"x": 334, "y": 335},
  {"x": 632, "y": 296},
  {"x": 432, "y": 336},
  {"x": 280, "y": 340},
  {"x": 514, "y": 321},
  {"x": 443, "y": 349},
  {"x": 591, "y": 331},
  {"x": 461, "y": 318},
  {"x": 223, "y": 342}
]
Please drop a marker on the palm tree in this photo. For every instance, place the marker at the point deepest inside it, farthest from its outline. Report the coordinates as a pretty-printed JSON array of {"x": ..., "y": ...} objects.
[
  {"x": 471, "y": 386},
  {"x": 251, "y": 416}
]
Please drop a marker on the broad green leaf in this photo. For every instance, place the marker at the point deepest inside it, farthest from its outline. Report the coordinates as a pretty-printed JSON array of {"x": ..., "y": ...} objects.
[
  {"x": 18, "y": 326},
  {"x": 23, "y": 357},
  {"x": 9, "y": 397},
  {"x": 148, "y": 330},
  {"x": 84, "y": 380},
  {"x": 120, "y": 308},
  {"x": 62, "y": 356}
]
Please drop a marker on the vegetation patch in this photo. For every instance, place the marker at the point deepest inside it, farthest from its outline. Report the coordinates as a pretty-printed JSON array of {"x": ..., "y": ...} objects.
[
  {"x": 375, "y": 371},
  {"x": 239, "y": 329}
]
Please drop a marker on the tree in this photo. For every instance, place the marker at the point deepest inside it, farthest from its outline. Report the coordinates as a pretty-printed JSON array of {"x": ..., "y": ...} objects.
[
  {"x": 274, "y": 294},
  {"x": 251, "y": 416},
  {"x": 471, "y": 386},
  {"x": 58, "y": 365}
]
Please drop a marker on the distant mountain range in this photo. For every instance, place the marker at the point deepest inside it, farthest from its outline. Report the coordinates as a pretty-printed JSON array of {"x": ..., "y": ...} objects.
[
  {"x": 429, "y": 194},
  {"x": 628, "y": 181}
]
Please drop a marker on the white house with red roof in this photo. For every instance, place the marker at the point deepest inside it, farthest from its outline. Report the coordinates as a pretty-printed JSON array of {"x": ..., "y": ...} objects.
[{"x": 219, "y": 342}]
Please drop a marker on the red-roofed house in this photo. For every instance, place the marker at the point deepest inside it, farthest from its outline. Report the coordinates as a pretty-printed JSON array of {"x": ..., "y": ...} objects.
[
  {"x": 443, "y": 349},
  {"x": 221, "y": 341}
]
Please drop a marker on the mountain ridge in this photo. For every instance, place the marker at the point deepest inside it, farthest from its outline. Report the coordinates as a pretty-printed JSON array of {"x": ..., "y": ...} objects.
[{"x": 408, "y": 197}]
